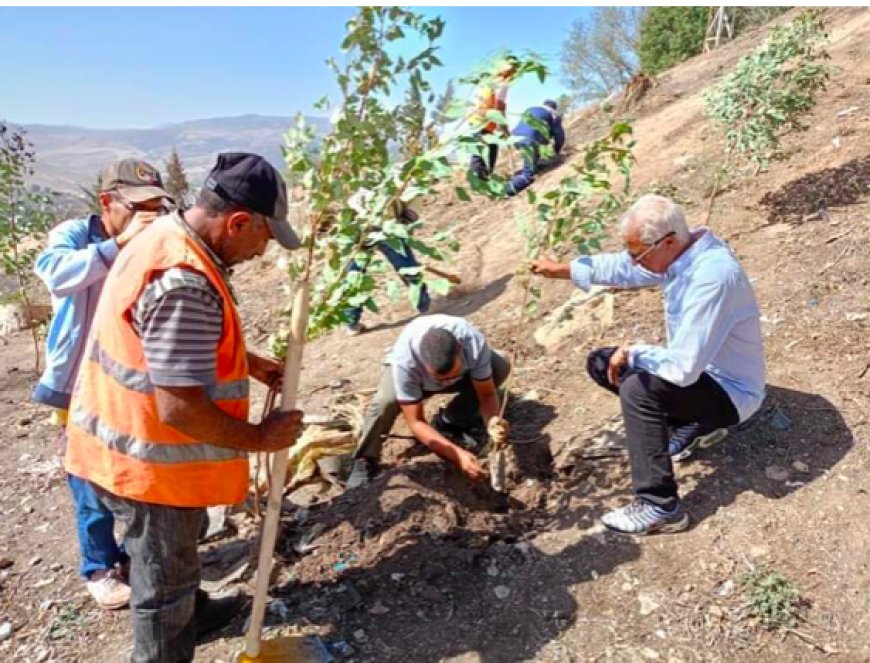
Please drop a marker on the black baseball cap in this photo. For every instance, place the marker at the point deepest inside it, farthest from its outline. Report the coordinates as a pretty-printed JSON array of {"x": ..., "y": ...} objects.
[{"x": 253, "y": 183}]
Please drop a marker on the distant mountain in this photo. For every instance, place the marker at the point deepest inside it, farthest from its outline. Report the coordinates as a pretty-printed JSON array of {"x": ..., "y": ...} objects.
[{"x": 68, "y": 156}]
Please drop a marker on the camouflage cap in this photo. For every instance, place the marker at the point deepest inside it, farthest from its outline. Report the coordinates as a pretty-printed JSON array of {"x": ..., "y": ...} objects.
[{"x": 136, "y": 180}]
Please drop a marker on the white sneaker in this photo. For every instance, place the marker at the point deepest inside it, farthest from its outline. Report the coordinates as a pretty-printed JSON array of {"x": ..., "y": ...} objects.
[{"x": 108, "y": 590}]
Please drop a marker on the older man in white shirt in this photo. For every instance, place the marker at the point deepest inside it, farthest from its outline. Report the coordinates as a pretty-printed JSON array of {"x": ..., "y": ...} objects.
[{"x": 709, "y": 376}]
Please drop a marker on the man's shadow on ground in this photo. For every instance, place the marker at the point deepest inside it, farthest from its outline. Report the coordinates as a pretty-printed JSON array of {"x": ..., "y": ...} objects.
[{"x": 794, "y": 439}]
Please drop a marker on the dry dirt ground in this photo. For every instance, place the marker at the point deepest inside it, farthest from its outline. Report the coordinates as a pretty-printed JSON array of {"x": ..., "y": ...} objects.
[{"x": 421, "y": 566}]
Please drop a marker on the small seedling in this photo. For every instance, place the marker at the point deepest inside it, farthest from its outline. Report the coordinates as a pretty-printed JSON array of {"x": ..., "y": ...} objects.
[{"x": 773, "y": 598}]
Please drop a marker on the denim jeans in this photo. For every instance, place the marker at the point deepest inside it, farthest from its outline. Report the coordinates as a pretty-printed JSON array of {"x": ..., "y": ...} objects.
[
  {"x": 523, "y": 178},
  {"x": 383, "y": 410},
  {"x": 649, "y": 406},
  {"x": 398, "y": 260},
  {"x": 95, "y": 526},
  {"x": 164, "y": 576}
]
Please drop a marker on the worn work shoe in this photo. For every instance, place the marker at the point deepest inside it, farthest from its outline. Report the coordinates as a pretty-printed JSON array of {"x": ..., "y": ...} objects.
[
  {"x": 364, "y": 470},
  {"x": 685, "y": 439},
  {"x": 212, "y": 613},
  {"x": 642, "y": 517},
  {"x": 109, "y": 589}
]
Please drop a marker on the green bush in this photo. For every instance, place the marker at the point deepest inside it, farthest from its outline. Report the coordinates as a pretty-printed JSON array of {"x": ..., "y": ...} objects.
[{"x": 669, "y": 35}]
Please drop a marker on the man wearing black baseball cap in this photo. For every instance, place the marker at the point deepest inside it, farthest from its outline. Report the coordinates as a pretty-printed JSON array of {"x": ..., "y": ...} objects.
[
  {"x": 168, "y": 316},
  {"x": 249, "y": 181}
]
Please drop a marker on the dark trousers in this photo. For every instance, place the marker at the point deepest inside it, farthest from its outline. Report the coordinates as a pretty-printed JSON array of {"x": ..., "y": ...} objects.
[
  {"x": 164, "y": 576},
  {"x": 650, "y": 406},
  {"x": 399, "y": 260},
  {"x": 523, "y": 178},
  {"x": 483, "y": 167},
  {"x": 383, "y": 410}
]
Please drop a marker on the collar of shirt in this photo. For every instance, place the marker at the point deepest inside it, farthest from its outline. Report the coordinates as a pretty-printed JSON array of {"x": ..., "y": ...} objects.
[
  {"x": 704, "y": 240},
  {"x": 96, "y": 231},
  {"x": 223, "y": 268}
]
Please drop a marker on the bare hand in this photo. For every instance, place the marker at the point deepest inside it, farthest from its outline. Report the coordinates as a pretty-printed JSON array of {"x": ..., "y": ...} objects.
[
  {"x": 550, "y": 268},
  {"x": 137, "y": 224},
  {"x": 279, "y": 430},
  {"x": 470, "y": 467},
  {"x": 267, "y": 370},
  {"x": 618, "y": 360},
  {"x": 498, "y": 430}
]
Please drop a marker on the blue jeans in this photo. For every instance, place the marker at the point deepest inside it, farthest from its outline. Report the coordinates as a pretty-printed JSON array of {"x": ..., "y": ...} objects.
[
  {"x": 95, "y": 526},
  {"x": 398, "y": 261},
  {"x": 523, "y": 178},
  {"x": 482, "y": 167}
]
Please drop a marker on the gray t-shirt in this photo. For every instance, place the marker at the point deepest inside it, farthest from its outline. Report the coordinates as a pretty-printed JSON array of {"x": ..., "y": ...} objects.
[{"x": 410, "y": 377}]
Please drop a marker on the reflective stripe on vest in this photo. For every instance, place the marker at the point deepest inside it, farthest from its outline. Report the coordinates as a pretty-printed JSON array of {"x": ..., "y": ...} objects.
[
  {"x": 152, "y": 452},
  {"x": 116, "y": 437},
  {"x": 139, "y": 381}
]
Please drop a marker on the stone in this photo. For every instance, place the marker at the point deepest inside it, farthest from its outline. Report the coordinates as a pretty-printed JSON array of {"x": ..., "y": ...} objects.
[
  {"x": 776, "y": 473},
  {"x": 502, "y": 592},
  {"x": 800, "y": 466},
  {"x": 648, "y": 603},
  {"x": 360, "y": 636}
]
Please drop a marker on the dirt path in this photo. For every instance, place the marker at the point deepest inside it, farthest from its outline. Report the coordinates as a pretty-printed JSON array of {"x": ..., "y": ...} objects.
[{"x": 422, "y": 567}]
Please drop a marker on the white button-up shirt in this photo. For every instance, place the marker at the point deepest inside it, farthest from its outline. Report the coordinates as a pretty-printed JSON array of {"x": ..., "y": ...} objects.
[{"x": 711, "y": 315}]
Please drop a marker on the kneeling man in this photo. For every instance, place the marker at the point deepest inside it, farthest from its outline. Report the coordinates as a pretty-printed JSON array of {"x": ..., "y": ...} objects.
[
  {"x": 709, "y": 376},
  {"x": 434, "y": 354}
]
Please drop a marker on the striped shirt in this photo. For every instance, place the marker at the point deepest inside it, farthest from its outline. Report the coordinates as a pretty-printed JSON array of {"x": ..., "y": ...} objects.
[{"x": 179, "y": 317}]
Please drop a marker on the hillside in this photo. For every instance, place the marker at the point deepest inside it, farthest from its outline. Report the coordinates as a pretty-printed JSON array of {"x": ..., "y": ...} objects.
[
  {"x": 420, "y": 566},
  {"x": 72, "y": 156}
]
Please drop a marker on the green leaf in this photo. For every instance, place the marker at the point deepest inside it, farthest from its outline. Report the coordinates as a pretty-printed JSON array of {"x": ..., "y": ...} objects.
[{"x": 462, "y": 194}]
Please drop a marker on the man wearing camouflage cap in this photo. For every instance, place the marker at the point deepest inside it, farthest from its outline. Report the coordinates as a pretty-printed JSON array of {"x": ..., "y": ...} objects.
[{"x": 73, "y": 267}]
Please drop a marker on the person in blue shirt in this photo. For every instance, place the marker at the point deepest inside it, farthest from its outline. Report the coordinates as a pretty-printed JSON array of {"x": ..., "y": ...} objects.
[
  {"x": 709, "y": 376},
  {"x": 540, "y": 125},
  {"x": 73, "y": 267}
]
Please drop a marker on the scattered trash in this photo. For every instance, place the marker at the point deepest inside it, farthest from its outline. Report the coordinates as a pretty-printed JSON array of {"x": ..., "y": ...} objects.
[
  {"x": 345, "y": 563},
  {"x": 341, "y": 649},
  {"x": 854, "y": 316},
  {"x": 216, "y": 523},
  {"x": 45, "y": 582},
  {"x": 776, "y": 473},
  {"x": 726, "y": 588},
  {"x": 5, "y": 631},
  {"x": 306, "y": 543},
  {"x": 813, "y": 301},
  {"x": 397, "y": 577},
  {"x": 502, "y": 592},
  {"x": 378, "y": 609},
  {"x": 278, "y": 608},
  {"x": 779, "y": 421}
]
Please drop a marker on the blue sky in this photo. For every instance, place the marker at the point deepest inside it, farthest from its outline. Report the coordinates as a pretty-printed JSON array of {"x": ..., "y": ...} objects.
[{"x": 142, "y": 67}]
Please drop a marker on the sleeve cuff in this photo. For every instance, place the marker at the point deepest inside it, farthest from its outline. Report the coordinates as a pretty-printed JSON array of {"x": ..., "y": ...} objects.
[
  {"x": 108, "y": 251},
  {"x": 581, "y": 273}
]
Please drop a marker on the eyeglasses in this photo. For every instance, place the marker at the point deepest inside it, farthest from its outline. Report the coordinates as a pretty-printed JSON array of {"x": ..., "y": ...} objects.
[
  {"x": 643, "y": 254},
  {"x": 160, "y": 208}
]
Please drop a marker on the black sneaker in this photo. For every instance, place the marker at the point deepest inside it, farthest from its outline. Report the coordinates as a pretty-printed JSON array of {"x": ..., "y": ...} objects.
[
  {"x": 213, "y": 613},
  {"x": 364, "y": 470},
  {"x": 685, "y": 439}
]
